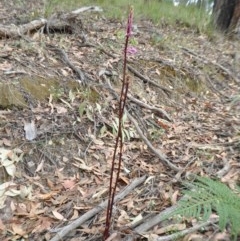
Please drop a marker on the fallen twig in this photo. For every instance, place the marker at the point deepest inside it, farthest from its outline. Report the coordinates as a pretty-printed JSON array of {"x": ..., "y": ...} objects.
[
  {"x": 186, "y": 231},
  {"x": 147, "y": 80},
  {"x": 149, "y": 223},
  {"x": 65, "y": 59},
  {"x": 89, "y": 9},
  {"x": 152, "y": 108},
  {"x": 153, "y": 221},
  {"x": 67, "y": 229},
  {"x": 160, "y": 155}
]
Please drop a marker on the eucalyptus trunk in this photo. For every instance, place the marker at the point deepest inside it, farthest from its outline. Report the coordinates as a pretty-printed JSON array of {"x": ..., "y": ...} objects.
[{"x": 226, "y": 14}]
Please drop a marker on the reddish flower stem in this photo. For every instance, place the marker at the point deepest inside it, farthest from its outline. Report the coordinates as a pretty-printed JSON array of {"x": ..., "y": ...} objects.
[{"x": 119, "y": 138}]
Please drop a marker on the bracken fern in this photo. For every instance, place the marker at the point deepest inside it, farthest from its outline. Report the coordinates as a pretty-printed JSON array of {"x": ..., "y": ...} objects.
[{"x": 205, "y": 196}]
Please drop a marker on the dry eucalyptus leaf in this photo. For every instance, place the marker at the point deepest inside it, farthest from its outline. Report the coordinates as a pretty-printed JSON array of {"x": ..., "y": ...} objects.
[{"x": 58, "y": 215}]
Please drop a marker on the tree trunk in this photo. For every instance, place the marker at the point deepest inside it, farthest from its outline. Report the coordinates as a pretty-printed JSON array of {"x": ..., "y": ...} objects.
[
  {"x": 226, "y": 14},
  {"x": 235, "y": 21}
]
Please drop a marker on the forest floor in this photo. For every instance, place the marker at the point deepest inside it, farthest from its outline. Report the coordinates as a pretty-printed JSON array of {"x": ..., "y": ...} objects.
[{"x": 57, "y": 138}]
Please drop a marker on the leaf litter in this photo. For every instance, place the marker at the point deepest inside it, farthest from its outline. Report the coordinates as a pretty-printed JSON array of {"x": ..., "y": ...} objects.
[{"x": 65, "y": 143}]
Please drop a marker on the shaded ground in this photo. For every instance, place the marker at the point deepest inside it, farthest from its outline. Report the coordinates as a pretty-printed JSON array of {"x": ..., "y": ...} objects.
[{"x": 64, "y": 171}]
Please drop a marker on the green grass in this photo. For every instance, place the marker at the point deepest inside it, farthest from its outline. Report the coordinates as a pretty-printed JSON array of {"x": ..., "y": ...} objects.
[{"x": 156, "y": 11}]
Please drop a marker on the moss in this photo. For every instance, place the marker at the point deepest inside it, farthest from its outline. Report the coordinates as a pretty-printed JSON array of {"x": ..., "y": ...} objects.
[
  {"x": 89, "y": 94},
  {"x": 72, "y": 85},
  {"x": 38, "y": 88},
  {"x": 194, "y": 85},
  {"x": 11, "y": 96}
]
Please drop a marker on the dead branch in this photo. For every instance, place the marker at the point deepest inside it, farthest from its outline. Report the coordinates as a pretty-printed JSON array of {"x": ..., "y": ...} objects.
[
  {"x": 147, "y": 80},
  {"x": 149, "y": 223},
  {"x": 67, "y": 229},
  {"x": 89, "y": 9},
  {"x": 186, "y": 231},
  {"x": 66, "y": 60},
  {"x": 58, "y": 22},
  {"x": 162, "y": 113},
  {"x": 160, "y": 155},
  {"x": 14, "y": 31}
]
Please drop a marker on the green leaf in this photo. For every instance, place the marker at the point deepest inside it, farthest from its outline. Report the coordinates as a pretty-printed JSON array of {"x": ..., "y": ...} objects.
[{"x": 205, "y": 196}]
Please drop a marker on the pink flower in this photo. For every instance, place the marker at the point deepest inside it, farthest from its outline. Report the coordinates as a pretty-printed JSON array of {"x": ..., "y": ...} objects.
[
  {"x": 130, "y": 20},
  {"x": 131, "y": 50}
]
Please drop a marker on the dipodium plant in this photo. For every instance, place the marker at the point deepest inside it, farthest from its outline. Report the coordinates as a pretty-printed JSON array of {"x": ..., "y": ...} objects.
[{"x": 118, "y": 150}]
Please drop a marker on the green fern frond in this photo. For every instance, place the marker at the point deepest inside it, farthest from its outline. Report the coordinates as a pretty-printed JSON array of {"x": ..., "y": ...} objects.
[{"x": 204, "y": 196}]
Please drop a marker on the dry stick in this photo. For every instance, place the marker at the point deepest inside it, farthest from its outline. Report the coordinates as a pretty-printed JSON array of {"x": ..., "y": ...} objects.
[
  {"x": 152, "y": 108},
  {"x": 202, "y": 58},
  {"x": 150, "y": 146},
  {"x": 151, "y": 222},
  {"x": 67, "y": 229},
  {"x": 69, "y": 63},
  {"x": 141, "y": 221},
  {"x": 146, "y": 79},
  {"x": 186, "y": 231}
]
